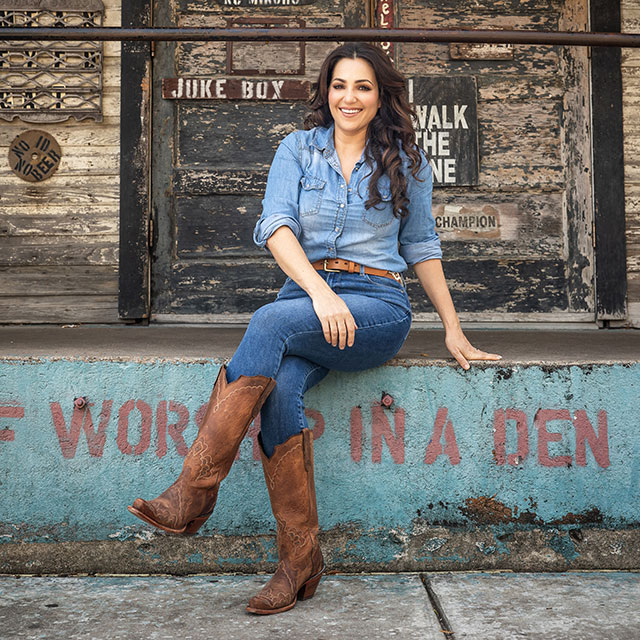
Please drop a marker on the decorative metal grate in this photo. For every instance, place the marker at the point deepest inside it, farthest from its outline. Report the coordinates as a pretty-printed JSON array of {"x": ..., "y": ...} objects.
[{"x": 51, "y": 81}]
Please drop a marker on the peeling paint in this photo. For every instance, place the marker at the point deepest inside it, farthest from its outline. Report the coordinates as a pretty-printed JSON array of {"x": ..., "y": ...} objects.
[{"x": 382, "y": 504}]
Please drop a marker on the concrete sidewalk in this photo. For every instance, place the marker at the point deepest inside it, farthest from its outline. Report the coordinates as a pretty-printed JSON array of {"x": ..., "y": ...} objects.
[{"x": 475, "y": 606}]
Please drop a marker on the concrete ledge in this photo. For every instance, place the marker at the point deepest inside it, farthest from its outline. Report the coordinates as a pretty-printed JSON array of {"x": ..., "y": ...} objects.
[
  {"x": 530, "y": 463},
  {"x": 346, "y": 550},
  {"x": 216, "y": 344}
]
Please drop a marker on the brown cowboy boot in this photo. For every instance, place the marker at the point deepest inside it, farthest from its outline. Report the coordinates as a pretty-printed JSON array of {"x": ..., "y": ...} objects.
[
  {"x": 189, "y": 501},
  {"x": 289, "y": 477}
]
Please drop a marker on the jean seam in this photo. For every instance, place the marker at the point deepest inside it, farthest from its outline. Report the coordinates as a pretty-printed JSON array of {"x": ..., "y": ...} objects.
[{"x": 301, "y": 396}]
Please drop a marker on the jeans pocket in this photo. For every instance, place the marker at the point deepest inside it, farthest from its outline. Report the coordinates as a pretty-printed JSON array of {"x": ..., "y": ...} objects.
[{"x": 383, "y": 281}]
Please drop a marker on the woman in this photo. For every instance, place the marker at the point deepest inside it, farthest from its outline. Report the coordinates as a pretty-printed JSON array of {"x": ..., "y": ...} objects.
[{"x": 347, "y": 207}]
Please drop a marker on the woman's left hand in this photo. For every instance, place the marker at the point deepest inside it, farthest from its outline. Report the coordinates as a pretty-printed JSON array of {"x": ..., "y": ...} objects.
[{"x": 463, "y": 351}]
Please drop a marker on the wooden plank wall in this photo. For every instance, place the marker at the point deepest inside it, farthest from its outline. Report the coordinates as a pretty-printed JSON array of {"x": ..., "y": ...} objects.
[
  {"x": 59, "y": 238},
  {"x": 631, "y": 118}
]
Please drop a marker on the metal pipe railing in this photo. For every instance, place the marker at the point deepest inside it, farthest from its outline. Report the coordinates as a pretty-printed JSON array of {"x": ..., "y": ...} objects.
[{"x": 279, "y": 34}]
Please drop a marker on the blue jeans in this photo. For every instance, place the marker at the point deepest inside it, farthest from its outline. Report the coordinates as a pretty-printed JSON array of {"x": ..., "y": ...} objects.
[{"x": 284, "y": 340}]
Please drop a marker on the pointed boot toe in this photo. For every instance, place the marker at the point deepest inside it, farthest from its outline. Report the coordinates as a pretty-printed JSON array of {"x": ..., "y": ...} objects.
[
  {"x": 185, "y": 506},
  {"x": 141, "y": 505},
  {"x": 143, "y": 510}
]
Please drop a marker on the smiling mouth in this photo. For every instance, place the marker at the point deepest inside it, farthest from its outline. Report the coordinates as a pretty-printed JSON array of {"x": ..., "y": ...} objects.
[{"x": 350, "y": 112}]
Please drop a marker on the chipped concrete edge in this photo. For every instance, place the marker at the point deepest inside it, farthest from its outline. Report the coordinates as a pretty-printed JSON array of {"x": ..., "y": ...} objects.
[{"x": 434, "y": 549}]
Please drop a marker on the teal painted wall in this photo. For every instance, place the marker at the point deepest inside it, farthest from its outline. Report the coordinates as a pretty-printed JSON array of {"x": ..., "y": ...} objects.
[{"x": 511, "y": 447}]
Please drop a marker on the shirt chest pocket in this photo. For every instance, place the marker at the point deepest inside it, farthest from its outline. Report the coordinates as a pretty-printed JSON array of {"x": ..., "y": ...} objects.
[
  {"x": 311, "y": 192},
  {"x": 381, "y": 214}
]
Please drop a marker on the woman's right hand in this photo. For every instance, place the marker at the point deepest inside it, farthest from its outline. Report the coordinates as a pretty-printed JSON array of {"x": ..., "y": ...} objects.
[{"x": 338, "y": 325}]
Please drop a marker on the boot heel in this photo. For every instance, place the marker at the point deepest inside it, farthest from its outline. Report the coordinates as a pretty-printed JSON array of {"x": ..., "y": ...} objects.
[
  {"x": 308, "y": 589},
  {"x": 195, "y": 524}
]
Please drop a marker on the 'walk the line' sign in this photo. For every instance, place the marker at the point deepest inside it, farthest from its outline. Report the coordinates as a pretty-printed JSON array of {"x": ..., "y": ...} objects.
[{"x": 446, "y": 126}]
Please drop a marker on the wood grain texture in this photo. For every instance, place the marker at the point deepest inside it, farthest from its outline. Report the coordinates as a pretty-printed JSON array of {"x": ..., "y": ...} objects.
[
  {"x": 630, "y": 66},
  {"x": 23, "y": 221},
  {"x": 241, "y": 286},
  {"x": 53, "y": 280},
  {"x": 58, "y": 238},
  {"x": 241, "y": 135},
  {"x": 24, "y": 309},
  {"x": 60, "y": 250}
]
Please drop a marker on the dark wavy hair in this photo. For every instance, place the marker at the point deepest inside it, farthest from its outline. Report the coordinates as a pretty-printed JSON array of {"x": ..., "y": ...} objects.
[{"x": 391, "y": 125}]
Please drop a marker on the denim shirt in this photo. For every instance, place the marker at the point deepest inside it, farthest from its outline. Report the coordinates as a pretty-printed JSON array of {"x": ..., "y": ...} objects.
[{"x": 307, "y": 192}]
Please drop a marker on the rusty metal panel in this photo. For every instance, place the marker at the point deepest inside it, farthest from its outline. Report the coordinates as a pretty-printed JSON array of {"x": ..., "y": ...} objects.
[{"x": 34, "y": 155}]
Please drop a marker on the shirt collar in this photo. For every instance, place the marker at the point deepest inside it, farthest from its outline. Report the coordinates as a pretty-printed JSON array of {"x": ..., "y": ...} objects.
[
  {"x": 323, "y": 141},
  {"x": 323, "y": 138}
]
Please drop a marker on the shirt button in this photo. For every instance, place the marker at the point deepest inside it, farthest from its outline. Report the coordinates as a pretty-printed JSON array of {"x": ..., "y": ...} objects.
[
  {"x": 342, "y": 206},
  {"x": 337, "y": 228}
]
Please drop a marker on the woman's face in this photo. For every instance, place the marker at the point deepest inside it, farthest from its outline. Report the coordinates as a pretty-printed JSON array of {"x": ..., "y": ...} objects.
[{"x": 354, "y": 98}]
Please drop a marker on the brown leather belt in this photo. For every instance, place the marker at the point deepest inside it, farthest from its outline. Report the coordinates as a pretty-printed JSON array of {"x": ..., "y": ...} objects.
[{"x": 336, "y": 264}]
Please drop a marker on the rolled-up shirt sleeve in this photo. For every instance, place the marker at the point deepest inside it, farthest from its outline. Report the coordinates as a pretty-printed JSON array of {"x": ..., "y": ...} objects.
[
  {"x": 280, "y": 203},
  {"x": 418, "y": 240}
]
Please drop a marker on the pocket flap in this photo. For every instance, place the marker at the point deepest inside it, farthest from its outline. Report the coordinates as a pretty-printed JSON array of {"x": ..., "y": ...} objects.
[{"x": 309, "y": 182}]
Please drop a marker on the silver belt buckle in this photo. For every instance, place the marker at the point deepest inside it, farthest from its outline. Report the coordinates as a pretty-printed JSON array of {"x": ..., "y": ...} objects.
[{"x": 396, "y": 276}]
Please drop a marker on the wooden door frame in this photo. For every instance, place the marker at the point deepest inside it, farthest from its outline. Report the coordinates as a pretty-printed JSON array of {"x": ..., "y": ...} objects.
[
  {"x": 135, "y": 168},
  {"x": 608, "y": 167}
]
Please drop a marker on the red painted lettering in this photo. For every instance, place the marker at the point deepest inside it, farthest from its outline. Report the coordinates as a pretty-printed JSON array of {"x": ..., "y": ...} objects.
[
  {"x": 122, "y": 438},
  {"x": 355, "y": 422},
  {"x": 81, "y": 420},
  {"x": 434, "y": 448},
  {"x": 584, "y": 433},
  {"x": 9, "y": 411},
  {"x": 175, "y": 429},
  {"x": 380, "y": 428},
  {"x": 318, "y": 422},
  {"x": 545, "y": 437},
  {"x": 500, "y": 418},
  {"x": 253, "y": 432}
]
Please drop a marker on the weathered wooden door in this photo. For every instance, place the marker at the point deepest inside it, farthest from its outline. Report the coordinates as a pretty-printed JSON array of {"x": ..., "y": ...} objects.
[
  {"x": 213, "y": 144},
  {"x": 507, "y": 129}
]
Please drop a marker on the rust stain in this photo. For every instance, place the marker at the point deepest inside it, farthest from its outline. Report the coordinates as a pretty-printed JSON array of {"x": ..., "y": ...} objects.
[
  {"x": 487, "y": 510},
  {"x": 588, "y": 517}
]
